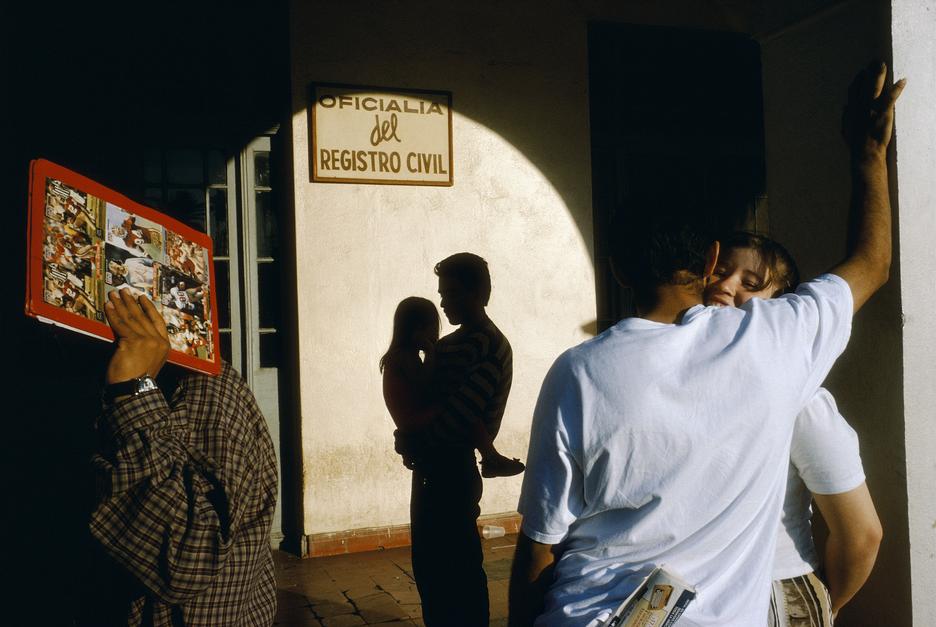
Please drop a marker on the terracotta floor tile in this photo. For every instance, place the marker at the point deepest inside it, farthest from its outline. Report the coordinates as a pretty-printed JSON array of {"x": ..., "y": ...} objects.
[
  {"x": 361, "y": 591},
  {"x": 329, "y": 609},
  {"x": 286, "y": 599},
  {"x": 406, "y": 597},
  {"x": 295, "y": 617},
  {"x": 381, "y": 609},
  {"x": 413, "y": 610},
  {"x": 345, "y": 620},
  {"x": 315, "y": 592}
]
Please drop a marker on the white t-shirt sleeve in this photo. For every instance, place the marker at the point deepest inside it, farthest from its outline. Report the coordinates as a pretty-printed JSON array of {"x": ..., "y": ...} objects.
[
  {"x": 821, "y": 326},
  {"x": 551, "y": 498},
  {"x": 825, "y": 448}
]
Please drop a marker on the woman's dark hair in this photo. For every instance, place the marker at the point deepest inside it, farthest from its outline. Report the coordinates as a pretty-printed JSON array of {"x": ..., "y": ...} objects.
[
  {"x": 782, "y": 273},
  {"x": 411, "y": 314}
]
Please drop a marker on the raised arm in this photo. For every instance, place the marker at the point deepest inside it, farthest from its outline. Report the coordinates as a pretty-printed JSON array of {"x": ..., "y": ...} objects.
[
  {"x": 165, "y": 511},
  {"x": 868, "y": 126},
  {"x": 854, "y": 537}
]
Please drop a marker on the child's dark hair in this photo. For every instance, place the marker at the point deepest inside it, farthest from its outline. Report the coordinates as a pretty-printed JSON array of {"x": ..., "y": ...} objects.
[
  {"x": 782, "y": 274},
  {"x": 470, "y": 270},
  {"x": 411, "y": 314}
]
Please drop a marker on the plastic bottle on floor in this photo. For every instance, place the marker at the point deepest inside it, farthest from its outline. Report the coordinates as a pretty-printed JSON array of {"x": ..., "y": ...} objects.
[{"x": 492, "y": 531}]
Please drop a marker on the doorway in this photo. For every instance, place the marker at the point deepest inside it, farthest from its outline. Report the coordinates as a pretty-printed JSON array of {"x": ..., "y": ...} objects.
[{"x": 677, "y": 126}]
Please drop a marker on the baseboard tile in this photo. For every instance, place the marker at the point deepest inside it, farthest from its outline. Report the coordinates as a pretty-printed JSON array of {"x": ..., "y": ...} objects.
[{"x": 380, "y": 538}]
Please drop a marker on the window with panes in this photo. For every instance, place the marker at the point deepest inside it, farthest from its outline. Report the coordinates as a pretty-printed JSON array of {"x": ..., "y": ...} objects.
[
  {"x": 200, "y": 187},
  {"x": 232, "y": 198}
]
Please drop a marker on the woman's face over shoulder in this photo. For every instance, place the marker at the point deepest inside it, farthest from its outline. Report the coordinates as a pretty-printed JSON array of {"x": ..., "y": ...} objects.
[{"x": 739, "y": 276}]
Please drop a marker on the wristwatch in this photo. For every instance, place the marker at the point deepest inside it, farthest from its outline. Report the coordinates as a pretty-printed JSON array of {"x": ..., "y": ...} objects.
[{"x": 131, "y": 387}]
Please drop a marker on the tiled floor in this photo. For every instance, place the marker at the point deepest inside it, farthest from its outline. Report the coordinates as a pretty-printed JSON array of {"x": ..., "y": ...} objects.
[{"x": 372, "y": 588}]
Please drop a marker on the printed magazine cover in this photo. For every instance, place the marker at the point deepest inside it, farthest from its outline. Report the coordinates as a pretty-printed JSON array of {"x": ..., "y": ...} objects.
[
  {"x": 86, "y": 240},
  {"x": 658, "y": 601}
]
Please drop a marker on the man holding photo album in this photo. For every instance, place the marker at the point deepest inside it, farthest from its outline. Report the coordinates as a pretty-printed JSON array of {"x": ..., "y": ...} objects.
[{"x": 187, "y": 487}]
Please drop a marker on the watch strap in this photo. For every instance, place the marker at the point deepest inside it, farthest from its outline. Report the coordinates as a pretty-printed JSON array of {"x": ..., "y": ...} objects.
[{"x": 131, "y": 387}]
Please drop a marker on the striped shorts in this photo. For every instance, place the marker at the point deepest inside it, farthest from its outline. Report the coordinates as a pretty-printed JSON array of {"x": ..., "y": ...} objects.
[{"x": 800, "y": 602}]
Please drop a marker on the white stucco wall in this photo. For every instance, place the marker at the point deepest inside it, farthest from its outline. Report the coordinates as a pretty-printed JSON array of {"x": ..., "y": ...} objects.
[
  {"x": 914, "y": 41},
  {"x": 362, "y": 248}
]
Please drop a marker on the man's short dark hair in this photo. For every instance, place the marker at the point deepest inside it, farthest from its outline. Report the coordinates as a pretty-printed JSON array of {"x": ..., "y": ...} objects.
[
  {"x": 652, "y": 250},
  {"x": 470, "y": 270}
]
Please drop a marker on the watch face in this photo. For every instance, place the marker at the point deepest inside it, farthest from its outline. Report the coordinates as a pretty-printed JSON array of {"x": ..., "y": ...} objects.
[{"x": 145, "y": 384}]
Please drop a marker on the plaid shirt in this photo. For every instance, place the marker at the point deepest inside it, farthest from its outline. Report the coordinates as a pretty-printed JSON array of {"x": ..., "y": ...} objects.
[{"x": 187, "y": 493}]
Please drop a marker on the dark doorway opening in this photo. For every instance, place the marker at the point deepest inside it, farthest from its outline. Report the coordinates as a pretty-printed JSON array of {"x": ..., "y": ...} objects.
[{"x": 677, "y": 126}]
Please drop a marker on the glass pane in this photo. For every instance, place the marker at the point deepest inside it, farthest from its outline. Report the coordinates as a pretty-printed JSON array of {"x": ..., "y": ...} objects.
[
  {"x": 218, "y": 229},
  {"x": 188, "y": 206},
  {"x": 269, "y": 350},
  {"x": 226, "y": 346},
  {"x": 267, "y": 232},
  {"x": 268, "y": 293},
  {"x": 217, "y": 168},
  {"x": 184, "y": 167},
  {"x": 152, "y": 166},
  {"x": 262, "y": 169},
  {"x": 223, "y": 291}
]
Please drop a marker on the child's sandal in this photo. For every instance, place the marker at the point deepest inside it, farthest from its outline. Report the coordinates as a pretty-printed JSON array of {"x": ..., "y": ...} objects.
[{"x": 500, "y": 468}]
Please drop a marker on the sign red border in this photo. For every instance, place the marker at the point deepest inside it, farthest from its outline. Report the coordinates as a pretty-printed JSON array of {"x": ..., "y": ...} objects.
[{"x": 39, "y": 170}]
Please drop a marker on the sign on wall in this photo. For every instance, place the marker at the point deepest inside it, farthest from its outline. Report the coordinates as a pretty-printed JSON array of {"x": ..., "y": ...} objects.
[{"x": 380, "y": 135}]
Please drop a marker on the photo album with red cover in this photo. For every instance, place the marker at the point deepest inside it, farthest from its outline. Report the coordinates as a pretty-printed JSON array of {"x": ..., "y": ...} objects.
[{"x": 86, "y": 240}]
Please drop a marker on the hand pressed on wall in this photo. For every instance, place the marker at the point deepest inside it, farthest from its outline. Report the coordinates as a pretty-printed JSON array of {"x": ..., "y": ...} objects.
[{"x": 868, "y": 118}]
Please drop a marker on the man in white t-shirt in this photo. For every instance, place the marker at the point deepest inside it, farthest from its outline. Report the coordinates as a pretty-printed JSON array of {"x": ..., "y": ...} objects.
[{"x": 641, "y": 454}]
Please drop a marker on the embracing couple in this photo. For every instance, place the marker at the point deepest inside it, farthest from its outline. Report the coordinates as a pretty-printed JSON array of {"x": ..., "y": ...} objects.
[
  {"x": 447, "y": 398},
  {"x": 668, "y": 439}
]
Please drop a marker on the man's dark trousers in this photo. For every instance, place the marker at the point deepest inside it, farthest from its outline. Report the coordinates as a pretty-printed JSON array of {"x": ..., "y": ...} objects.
[{"x": 447, "y": 557}]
